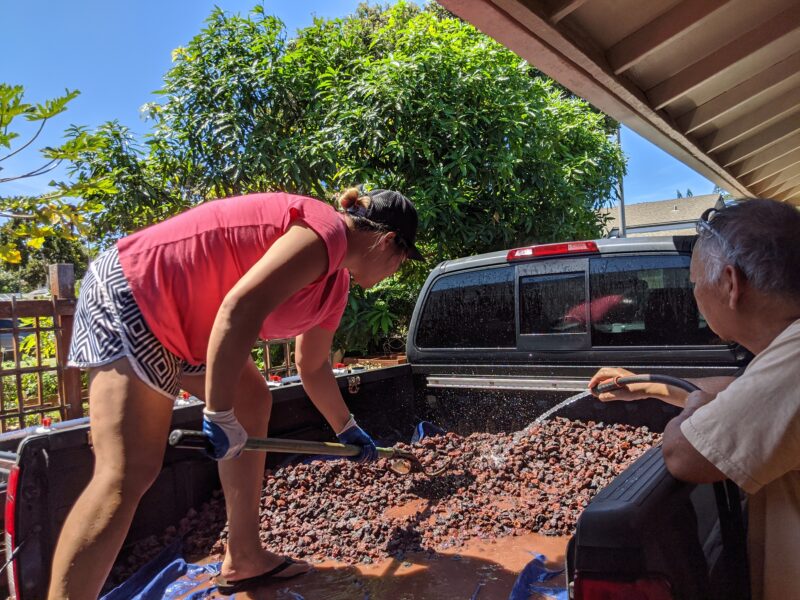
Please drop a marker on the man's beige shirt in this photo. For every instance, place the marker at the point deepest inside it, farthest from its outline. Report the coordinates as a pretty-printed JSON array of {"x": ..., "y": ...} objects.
[{"x": 751, "y": 432}]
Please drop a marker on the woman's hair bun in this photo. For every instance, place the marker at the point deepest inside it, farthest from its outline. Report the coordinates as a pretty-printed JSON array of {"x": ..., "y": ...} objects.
[{"x": 349, "y": 198}]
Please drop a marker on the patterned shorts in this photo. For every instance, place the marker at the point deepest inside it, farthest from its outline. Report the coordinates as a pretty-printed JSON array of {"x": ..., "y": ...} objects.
[{"x": 109, "y": 325}]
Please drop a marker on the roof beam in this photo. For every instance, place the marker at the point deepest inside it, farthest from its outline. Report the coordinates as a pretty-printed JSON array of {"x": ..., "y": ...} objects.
[
  {"x": 780, "y": 107},
  {"x": 792, "y": 195},
  {"x": 772, "y": 168},
  {"x": 777, "y": 180},
  {"x": 677, "y": 21},
  {"x": 746, "y": 91},
  {"x": 790, "y": 181},
  {"x": 764, "y": 138},
  {"x": 779, "y": 150},
  {"x": 564, "y": 8},
  {"x": 767, "y": 184},
  {"x": 660, "y": 95}
]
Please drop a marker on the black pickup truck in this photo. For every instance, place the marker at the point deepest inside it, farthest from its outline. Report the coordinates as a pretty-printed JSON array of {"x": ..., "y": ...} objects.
[{"x": 495, "y": 341}]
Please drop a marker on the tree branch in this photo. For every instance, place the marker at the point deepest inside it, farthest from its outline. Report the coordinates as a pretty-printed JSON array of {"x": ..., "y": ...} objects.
[
  {"x": 35, "y": 173},
  {"x": 8, "y": 215},
  {"x": 30, "y": 141}
]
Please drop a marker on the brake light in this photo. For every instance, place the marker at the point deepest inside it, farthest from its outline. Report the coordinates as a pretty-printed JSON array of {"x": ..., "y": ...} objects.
[
  {"x": 641, "y": 589},
  {"x": 541, "y": 250},
  {"x": 11, "y": 530}
]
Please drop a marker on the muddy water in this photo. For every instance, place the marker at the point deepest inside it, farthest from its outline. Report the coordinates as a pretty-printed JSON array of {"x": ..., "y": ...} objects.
[{"x": 480, "y": 569}]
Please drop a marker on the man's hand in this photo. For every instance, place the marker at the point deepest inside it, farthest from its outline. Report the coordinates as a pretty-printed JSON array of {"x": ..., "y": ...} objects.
[
  {"x": 353, "y": 434},
  {"x": 226, "y": 434},
  {"x": 646, "y": 389},
  {"x": 635, "y": 391}
]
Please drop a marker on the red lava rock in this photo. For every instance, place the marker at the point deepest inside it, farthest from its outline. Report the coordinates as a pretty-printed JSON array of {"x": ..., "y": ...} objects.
[{"x": 535, "y": 480}]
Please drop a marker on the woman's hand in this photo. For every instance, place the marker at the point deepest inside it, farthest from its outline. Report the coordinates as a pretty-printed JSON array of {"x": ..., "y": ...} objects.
[
  {"x": 353, "y": 434},
  {"x": 226, "y": 434},
  {"x": 634, "y": 391}
]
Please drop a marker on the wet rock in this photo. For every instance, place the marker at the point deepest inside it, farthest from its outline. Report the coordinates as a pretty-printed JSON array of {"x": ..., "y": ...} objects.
[{"x": 535, "y": 480}]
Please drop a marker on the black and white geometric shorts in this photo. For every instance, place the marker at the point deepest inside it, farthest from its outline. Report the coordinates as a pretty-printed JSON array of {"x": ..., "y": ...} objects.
[{"x": 109, "y": 325}]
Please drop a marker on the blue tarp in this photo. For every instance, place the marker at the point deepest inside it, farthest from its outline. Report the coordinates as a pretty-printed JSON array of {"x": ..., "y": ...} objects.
[
  {"x": 536, "y": 572},
  {"x": 167, "y": 576}
]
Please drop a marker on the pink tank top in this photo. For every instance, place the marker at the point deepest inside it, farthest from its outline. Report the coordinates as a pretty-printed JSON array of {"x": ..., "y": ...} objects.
[{"x": 181, "y": 269}]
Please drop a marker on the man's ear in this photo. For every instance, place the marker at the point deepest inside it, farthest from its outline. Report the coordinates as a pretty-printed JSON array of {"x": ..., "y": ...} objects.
[{"x": 733, "y": 282}]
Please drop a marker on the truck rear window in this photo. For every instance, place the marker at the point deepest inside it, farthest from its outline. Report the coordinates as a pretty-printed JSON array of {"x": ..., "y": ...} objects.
[
  {"x": 630, "y": 301},
  {"x": 645, "y": 301},
  {"x": 552, "y": 303},
  {"x": 474, "y": 309}
]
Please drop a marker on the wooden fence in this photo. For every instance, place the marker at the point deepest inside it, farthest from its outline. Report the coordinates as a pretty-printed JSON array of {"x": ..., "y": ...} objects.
[
  {"x": 280, "y": 363},
  {"x": 35, "y": 382}
]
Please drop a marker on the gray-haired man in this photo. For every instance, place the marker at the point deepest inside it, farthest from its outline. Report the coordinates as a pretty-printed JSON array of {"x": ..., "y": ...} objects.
[{"x": 746, "y": 272}]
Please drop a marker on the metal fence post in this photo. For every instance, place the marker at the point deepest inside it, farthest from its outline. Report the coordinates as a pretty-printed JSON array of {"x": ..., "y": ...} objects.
[{"x": 62, "y": 287}]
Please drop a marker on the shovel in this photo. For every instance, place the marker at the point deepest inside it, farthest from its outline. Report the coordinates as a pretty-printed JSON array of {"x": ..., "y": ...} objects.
[{"x": 400, "y": 462}]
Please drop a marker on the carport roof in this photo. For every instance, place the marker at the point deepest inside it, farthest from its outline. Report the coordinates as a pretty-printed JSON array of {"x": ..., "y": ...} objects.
[{"x": 716, "y": 83}]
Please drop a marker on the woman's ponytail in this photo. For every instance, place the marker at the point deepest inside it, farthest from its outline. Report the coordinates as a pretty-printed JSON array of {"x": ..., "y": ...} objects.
[{"x": 350, "y": 197}]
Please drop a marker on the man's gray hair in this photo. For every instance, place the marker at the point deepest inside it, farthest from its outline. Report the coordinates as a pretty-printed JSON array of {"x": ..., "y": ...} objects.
[{"x": 759, "y": 237}]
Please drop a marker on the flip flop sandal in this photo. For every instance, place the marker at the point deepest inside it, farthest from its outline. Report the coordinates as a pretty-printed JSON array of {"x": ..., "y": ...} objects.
[{"x": 227, "y": 588}]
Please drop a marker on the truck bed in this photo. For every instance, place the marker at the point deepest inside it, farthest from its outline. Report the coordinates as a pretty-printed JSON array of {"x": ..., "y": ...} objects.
[{"x": 387, "y": 402}]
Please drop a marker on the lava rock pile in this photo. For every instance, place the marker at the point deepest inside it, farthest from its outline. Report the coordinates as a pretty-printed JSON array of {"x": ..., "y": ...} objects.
[{"x": 535, "y": 480}]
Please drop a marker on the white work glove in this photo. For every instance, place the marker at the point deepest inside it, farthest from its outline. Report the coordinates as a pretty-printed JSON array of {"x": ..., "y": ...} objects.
[{"x": 226, "y": 434}]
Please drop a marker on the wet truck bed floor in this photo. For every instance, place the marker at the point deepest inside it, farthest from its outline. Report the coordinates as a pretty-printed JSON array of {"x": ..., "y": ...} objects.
[
  {"x": 501, "y": 498},
  {"x": 480, "y": 569}
]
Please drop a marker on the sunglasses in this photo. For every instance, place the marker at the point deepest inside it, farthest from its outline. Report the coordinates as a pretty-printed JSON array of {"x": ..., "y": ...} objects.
[{"x": 704, "y": 227}]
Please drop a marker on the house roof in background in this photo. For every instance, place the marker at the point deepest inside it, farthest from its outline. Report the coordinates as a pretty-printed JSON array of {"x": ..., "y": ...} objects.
[{"x": 675, "y": 216}]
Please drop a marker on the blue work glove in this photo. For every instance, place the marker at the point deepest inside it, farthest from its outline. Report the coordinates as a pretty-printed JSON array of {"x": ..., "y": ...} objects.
[
  {"x": 353, "y": 434},
  {"x": 226, "y": 434}
]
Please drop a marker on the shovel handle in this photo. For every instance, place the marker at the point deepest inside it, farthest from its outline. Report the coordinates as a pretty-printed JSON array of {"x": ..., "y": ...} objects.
[
  {"x": 197, "y": 440},
  {"x": 189, "y": 440}
]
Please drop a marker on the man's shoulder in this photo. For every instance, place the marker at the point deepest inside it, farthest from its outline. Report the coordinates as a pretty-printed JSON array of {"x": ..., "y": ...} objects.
[
  {"x": 787, "y": 340},
  {"x": 773, "y": 370},
  {"x": 791, "y": 332}
]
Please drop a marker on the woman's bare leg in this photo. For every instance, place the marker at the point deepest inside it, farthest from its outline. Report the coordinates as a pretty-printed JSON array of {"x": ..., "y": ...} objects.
[
  {"x": 243, "y": 479},
  {"x": 129, "y": 423}
]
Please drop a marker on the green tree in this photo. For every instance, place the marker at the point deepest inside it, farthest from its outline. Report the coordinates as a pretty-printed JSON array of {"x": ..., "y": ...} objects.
[
  {"x": 31, "y": 272},
  {"x": 492, "y": 153},
  {"x": 61, "y": 212},
  {"x": 146, "y": 189}
]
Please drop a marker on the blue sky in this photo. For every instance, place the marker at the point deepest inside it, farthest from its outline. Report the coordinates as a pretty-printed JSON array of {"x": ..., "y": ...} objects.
[{"x": 116, "y": 52}]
